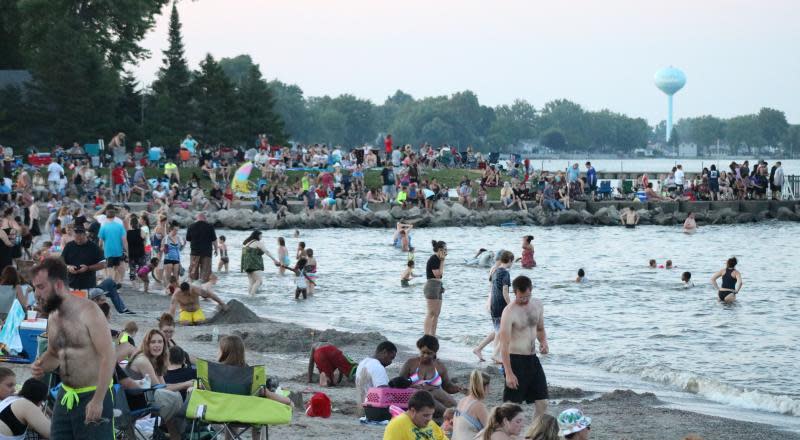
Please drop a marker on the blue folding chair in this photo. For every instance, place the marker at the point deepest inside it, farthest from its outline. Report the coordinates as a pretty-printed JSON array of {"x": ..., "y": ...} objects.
[{"x": 605, "y": 189}]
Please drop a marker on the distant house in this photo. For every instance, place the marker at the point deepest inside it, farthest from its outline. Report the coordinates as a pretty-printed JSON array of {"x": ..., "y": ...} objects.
[
  {"x": 687, "y": 150},
  {"x": 14, "y": 78}
]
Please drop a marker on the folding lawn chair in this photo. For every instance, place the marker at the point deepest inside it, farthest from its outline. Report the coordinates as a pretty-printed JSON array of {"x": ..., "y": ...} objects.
[
  {"x": 605, "y": 189},
  {"x": 228, "y": 395}
]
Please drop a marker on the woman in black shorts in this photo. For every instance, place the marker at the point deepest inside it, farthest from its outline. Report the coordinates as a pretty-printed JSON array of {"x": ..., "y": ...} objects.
[{"x": 434, "y": 271}]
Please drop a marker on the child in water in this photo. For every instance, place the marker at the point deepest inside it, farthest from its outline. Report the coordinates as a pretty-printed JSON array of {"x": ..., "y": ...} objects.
[
  {"x": 653, "y": 264},
  {"x": 527, "y": 252},
  {"x": 283, "y": 255},
  {"x": 581, "y": 276},
  {"x": 302, "y": 281},
  {"x": 407, "y": 274},
  {"x": 223, "y": 254},
  {"x": 686, "y": 279}
]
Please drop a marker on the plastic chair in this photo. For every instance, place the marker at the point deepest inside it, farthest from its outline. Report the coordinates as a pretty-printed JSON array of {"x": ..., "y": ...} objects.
[
  {"x": 228, "y": 395},
  {"x": 605, "y": 189}
]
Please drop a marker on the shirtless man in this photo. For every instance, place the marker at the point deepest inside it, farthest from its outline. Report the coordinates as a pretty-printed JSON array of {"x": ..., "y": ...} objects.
[
  {"x": 79, "y": 344},
  {"x": 521, "y": 324},
  {"x": 629, "y": 218},
  {"x": 187, "y": 298}
]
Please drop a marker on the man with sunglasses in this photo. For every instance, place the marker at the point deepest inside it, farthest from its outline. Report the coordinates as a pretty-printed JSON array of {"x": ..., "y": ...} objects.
[{"x": 521, "y": 324}]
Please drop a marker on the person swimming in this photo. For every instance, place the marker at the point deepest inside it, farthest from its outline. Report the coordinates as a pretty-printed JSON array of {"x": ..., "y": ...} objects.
[
  {"x": 653, "y": 264},
  {"x": 690, "y": 225},
  {"x": 402, "y": 237},
  {"x": 686, "y": 279},
  {"x": 581, "y": 278},
  {"x": 484, "y": 258}
]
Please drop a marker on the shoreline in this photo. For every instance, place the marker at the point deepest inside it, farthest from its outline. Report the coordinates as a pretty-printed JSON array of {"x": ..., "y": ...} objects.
[{"x": 284, "y": 349}]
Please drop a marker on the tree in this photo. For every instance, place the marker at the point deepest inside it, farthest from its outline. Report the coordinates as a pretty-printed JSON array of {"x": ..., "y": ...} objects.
[
  {"x": 773, "y": 125},
  {"x": 13, "y": 117},
  {"x": 257, "y": 108},
  {"x": 570, "y": 118},
  {"x": 237, "y": 68},
  {"x": 792, "y": 141},
  {"x": 704, "y": 130},
  {"x": 291, "y": 105},
  {"x": 111, "y": 28},
  {"x": 171, "y": 110},
  {"x": 11, "y": 56},
  {"x": 554, "y": 139},
  {"x": 129, "y": 108},
  {"x": 217, "y": 115},
  {"x": 513, "y": 123},
  {"x": 743, "y": 131}
]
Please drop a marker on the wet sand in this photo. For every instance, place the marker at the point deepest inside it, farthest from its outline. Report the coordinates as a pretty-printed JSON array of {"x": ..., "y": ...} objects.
[{"x": 284, "y": 348}]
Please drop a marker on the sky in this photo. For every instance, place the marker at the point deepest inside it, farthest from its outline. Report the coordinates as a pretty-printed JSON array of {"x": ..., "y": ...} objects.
[{"x": 738, "y": 55}]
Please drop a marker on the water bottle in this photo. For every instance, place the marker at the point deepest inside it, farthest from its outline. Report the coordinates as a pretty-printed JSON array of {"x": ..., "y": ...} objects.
[
  {"x": 215, "y": 334},
  {"x": 146, "y": 381}
]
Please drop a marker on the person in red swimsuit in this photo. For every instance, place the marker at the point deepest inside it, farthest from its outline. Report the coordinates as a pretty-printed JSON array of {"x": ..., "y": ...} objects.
[{"x": 328, "y": 359}]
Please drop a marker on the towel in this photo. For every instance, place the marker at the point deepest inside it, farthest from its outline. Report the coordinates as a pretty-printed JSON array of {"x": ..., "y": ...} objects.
[{"x": 9, "y": 335}]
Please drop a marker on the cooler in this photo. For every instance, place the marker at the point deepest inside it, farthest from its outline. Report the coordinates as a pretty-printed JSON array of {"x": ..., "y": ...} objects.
[{"x": 29, "y": 332}]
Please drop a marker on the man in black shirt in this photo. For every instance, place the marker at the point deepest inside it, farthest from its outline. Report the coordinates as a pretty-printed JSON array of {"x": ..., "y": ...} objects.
[
  {"x": 83, "y": 259},
  {"x": 203, "y": 238}
]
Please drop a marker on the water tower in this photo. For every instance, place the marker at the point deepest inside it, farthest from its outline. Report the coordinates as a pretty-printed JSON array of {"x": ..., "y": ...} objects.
[{"x": 670, "y": 80}]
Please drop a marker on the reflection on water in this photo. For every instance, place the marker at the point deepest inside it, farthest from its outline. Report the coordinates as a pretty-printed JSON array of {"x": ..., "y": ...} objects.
[{"x": 628, "y": 322}]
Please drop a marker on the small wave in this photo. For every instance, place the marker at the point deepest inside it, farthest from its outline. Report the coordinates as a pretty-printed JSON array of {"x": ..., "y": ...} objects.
[{"x": 713, "y": 390}]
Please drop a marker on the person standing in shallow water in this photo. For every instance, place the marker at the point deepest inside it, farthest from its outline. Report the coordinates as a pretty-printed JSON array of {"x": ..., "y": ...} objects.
[
  {"x": 731, "y": 281},
  {"x": 527, "y": 260},
  {"x": 253, "y": 262},
  {"x": 434, "y": 271}
]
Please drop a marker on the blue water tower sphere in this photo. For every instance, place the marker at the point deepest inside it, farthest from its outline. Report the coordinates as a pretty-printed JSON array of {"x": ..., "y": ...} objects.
[{"x": 670, "y": 80}]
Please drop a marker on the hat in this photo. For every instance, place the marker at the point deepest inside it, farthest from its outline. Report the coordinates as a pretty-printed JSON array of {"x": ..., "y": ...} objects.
[
  {"x": 138, "y": 166},
  {"x": 571, "y": 421},
  {"x": 95, "y": 293},
  {"x": 319, "y": 406}
]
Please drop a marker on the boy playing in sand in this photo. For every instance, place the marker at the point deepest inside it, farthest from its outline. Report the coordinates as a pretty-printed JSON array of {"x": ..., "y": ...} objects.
[
  {"x": 407, "y": 274},
  {"x": 172, "y": 285},
  {"x": 328, "y": 360}
]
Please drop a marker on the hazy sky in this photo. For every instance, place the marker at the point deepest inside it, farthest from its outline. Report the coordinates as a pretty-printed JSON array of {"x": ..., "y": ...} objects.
[{"x": 738, "y": 55}]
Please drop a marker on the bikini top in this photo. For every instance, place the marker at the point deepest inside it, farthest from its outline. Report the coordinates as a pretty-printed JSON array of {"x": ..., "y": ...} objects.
[
  {"x": 472, "y": 420},
  {"x": 435, "y": 381}
]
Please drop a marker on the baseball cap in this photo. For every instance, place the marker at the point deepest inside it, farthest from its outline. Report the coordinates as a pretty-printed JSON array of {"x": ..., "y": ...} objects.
[{"x": 96, "y": 292}]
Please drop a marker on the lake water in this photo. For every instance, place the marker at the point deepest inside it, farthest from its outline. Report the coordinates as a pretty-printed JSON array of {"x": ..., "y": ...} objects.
[
  {"x": 629, "y": 327},
  {"x": 790, "y": 166}
]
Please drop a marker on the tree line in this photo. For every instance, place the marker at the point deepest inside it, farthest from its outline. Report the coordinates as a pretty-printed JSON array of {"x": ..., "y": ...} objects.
[{"x": 77, "y": 51}]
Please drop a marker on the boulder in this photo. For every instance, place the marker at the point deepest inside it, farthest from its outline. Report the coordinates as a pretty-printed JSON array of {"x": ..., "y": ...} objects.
[
  {"x": 664, "y": 219},
  {"x": 784, "y": 213},
  {"x": 745, "y": 217},
  {"x": 586, "y": 217},
  {"x": 607, "y": 215},
  {"x": 645, "y": 217},
  {"x": 568, "y": 217}
]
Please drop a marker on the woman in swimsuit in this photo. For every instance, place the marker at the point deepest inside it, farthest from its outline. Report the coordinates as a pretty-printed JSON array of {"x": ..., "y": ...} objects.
[
  {"x": 527, "y": 252},
  {"x": 21, "y": 412},
  {"x": 433, "y": 290},
  {"x": 223, "y": 254},
  {"x": 283, "y": 255},
  {"x": 427, "y": 373},
  {"x": 471, "y": 413},
  {"x": 311, "y": 270},
  {"x": 731, "y": 281},
  {"x": 171, "y": 248}
]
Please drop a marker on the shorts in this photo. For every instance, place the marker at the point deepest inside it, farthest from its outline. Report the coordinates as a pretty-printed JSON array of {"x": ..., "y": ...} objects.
[
  {"x": 166, "y": 262},
  {"x": 630, "y": 226},
  {"x": 225, "y": 260},
  {"x": 200, "y": 267},
  {"x": 113, "y": 261},
  {"x": 119, "y": 188},
  {"x": 532, "y": 383},
  {"x": 433, "y": 289},
  {"x": 70, "y": 423},
  {"x": 724, "y": 293},
  {"x": 301, "y": 291},
  {"x": 404, "y": 283},
  {"x": 192, "y": 317}
]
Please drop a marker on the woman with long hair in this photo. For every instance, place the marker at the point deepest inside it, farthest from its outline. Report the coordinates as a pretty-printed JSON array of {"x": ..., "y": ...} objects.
[
  {"x": 505, "y": 423},
  {"x": 471, "y": 414},
  {"x": 433, "y": 290},
  {"x": 10, "y": 277},
  {"x": 171, "y": 248},
  {"x": 545, "y": 427},
  {"x": 22, "y": 412},
  {"x": 252, "y": 261},
  {"x": 231, "y": 352}
]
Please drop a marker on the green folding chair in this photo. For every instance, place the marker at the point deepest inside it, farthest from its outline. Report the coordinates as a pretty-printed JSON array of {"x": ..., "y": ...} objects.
[
  {"x": 228, "y": 396},
  {"x": 627, "y": 186}
]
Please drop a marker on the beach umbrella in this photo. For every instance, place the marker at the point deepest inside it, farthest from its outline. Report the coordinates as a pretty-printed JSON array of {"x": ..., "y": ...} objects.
[{"x": 241, "y": 177}]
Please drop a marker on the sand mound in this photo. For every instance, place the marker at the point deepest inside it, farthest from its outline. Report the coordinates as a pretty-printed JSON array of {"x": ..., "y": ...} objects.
[
  {"x": 236, "y": 313},
  {"x": 629, "y": 397},
  {"x": 291, "y": 341},
  {"x": 556, "y": 392}
]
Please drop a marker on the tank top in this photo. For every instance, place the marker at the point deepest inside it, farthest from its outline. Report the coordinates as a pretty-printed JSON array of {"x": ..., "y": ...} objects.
[
  {"x": 18, "y": 429},
  {"x": 173, "y": 250},
  {"x": 6, "y": 252},
  {"x": 728, "y": 280}
]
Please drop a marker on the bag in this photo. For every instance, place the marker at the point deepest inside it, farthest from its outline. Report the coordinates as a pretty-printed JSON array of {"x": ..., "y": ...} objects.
[{"x": 319, "y": 406}]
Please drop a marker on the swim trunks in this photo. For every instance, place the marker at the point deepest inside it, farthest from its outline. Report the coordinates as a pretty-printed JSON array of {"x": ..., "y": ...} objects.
[
  {"x": 630, "y": 226},
  {"x": 192, "y": 317},
  {"x": 69, "y": 415},
  {"x": 433, "y": 289},
  {"x": 532, "y": 383},
  {"x": 404, "y": 283}
]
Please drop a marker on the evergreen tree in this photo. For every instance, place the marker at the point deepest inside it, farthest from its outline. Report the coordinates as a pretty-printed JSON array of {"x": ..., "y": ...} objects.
[
  {"x": 129, "y": 108},
  {"x": 256, "y": 106},
  {"x": 216, "y": 111},
  {"x": 171, "y": 107}
]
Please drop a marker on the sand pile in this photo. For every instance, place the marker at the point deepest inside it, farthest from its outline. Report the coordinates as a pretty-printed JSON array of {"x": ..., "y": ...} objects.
[
  {"x": 629, "y": 397},
  {"x": 289, "y": 340},
  {"x": 236, "y": 313}
]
